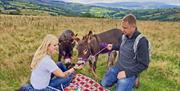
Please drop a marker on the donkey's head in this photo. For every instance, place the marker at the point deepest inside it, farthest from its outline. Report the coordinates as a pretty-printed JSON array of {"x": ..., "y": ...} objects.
[{"x": 84, "y": 49}]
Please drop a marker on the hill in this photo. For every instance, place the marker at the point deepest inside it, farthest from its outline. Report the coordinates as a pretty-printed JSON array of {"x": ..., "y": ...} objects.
[
  {"x": 137, "y": 5},
  {"x": 61, "y": 8},
  {"x": 20, "y": 36},
  {"x": 31, "y": 7}
]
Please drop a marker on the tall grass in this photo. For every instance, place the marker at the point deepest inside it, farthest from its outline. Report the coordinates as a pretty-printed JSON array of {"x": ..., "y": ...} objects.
[{"x": 21, "y": 35}]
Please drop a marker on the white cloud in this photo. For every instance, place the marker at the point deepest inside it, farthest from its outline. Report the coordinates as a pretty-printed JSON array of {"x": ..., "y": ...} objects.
[
  {"x": 177, "y": 2},
  {"x": 92, "y": 1}
]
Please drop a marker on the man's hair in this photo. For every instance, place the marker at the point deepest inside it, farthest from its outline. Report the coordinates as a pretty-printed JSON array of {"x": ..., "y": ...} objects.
[{"x": 130, "y": 18}]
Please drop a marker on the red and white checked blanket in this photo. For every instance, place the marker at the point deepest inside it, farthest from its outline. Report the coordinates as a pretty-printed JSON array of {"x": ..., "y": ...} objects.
[{"x": 84, "y": 83}]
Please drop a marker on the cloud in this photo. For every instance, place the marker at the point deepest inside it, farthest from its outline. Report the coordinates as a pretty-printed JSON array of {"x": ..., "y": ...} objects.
[
  {"x": 92, "y": 1},
  {"x": 177, "y": 2}
]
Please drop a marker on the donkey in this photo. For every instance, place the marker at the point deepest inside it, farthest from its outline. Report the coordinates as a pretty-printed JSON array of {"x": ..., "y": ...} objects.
[
  {"x": 92, "y": 45},
  {"x": 66, "y": 45}
]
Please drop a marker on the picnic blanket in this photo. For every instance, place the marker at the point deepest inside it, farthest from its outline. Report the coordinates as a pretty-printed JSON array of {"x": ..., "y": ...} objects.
[{"x": 84, "y": 83}]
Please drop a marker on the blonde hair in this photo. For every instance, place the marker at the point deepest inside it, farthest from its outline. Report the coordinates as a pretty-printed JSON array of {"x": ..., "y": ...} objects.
[
  {"x": 43, "y": 49},
  {"x": 130, "y": 18}
]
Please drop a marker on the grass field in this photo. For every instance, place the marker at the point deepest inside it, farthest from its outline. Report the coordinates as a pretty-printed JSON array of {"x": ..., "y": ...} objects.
[{"x": 21, "y": 35}]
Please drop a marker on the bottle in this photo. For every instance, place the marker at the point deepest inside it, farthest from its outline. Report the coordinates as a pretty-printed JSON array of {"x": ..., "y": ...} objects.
[{"x": 78, "y": 88}]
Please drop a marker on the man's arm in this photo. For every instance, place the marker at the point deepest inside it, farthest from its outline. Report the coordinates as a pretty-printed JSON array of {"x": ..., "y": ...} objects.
[{"x": 116, "y": 47}]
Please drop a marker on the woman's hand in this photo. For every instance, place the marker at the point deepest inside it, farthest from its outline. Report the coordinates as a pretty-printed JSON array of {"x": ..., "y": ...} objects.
[{"x": 76, "y": 67}]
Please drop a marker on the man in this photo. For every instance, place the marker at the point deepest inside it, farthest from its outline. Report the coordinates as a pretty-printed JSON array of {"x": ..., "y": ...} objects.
[{"x": 129, "y": 64}]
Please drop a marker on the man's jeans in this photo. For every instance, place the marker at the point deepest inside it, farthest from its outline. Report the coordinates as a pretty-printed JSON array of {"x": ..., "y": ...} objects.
[
  {"x": 110, "y": 78},
  {"x": 56, "y": 83}
]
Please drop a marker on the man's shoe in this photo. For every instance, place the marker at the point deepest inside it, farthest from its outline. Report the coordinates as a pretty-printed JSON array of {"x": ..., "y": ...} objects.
[{"x": 136, "y": 82}]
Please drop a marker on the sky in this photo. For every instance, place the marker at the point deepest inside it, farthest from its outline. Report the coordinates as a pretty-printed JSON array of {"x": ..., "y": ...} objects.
[{"x": 174, "y": 2}]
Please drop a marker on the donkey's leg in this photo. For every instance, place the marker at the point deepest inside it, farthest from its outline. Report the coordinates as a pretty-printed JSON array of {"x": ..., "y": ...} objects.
[
  {"x": 94, "y": 61},
  {"x": 111, "y": 58},
  {"x": 90, "y": 63},
  {"x": 94, "y": 65}
]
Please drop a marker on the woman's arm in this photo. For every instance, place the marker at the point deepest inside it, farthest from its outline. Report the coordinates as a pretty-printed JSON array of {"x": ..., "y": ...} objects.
[{"x": 60, "y": 73}]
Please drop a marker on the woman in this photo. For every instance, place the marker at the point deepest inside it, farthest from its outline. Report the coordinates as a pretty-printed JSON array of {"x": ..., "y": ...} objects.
[{"x": 43, "y": 66}]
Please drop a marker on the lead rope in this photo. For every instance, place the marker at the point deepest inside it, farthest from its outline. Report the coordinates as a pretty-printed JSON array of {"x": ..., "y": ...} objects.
[{"x": 100, "y": 51}]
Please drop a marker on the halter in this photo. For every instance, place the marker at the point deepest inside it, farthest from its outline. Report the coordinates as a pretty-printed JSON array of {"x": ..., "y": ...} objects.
[{"x": 91, "y": 56}]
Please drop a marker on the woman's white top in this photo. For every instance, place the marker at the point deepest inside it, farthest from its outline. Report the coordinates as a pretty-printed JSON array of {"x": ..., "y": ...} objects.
[{"x": 41, "y": 75}]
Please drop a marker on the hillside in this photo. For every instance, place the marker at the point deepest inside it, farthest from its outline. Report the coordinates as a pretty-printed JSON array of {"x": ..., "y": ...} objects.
[
  {"x": 60, "y": 8},
  {"x": 20, "y": 36},
  {"x": 31, "y": 7},
  {"x": 137, "y": 5}
]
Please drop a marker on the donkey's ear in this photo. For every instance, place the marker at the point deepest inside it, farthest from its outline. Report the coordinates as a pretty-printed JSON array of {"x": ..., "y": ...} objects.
[
  {"x": 75, "y": 37},
  {"x": 76, "y": 40},
  {"x": 90, "y": 33},
  {"x": 84, "y": 37}
]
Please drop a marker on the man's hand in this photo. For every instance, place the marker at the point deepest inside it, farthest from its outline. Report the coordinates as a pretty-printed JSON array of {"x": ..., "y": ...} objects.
[
  {"x": 109, "y": 46},
  {"x": 121, "y": 75}
]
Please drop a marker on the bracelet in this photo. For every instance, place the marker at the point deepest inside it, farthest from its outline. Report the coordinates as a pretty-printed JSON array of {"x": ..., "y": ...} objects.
[{"x": 67, "y": 74}]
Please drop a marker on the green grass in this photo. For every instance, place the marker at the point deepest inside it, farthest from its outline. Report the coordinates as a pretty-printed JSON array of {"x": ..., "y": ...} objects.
[
  {"x": 20, "y": 36},
  {"x": 99, "y": 12}
]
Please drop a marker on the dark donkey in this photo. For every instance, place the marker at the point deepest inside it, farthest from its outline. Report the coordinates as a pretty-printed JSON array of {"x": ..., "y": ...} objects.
[
  {"x": 66, "y": 45},
  {"x": 92, "y": 45}
]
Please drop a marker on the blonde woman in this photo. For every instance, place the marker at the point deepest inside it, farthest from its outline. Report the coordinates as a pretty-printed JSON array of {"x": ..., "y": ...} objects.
[{"x": 43, "y": 67}]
